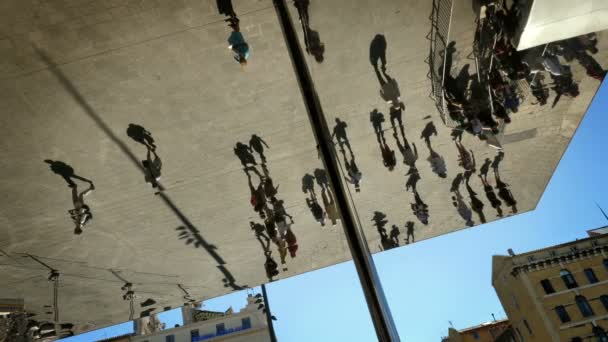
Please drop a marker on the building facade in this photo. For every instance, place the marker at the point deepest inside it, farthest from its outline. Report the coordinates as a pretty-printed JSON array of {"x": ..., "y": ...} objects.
[
  {"x": 247, "y": 325},
  {"x": 559, "y": 293},
  {"x": 496, "y": 331}
]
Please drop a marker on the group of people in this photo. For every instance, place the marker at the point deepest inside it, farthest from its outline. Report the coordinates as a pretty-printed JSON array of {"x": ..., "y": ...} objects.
[
  {"x": 389, "y": 240},
  {"x": 276, "y": 227},
  {"x": 329, "y": 209},
  {"x": 479, "y": 104}
]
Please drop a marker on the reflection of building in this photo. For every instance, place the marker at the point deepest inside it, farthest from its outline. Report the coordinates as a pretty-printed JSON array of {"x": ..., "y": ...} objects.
[
  {"x": 497, "y": 331},
  {"x": 121, "y": 338},
  {"x": 247, "y": 325},
  {"x": 8, "y": 305},
  {"x": 558, "y": 293}
]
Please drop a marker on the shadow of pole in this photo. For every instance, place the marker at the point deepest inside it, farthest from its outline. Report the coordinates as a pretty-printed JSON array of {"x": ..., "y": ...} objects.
[{"x": 229, "y": 280}]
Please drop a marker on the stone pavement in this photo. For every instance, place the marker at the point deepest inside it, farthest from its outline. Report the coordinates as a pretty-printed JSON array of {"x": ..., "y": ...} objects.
[{"x": 164, "y": 64}]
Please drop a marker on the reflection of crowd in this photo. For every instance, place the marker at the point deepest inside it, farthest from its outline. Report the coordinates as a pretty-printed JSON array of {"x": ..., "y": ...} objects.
[
  {"x": 277, "y": 221},
  {"x": 480, "y": 104}
]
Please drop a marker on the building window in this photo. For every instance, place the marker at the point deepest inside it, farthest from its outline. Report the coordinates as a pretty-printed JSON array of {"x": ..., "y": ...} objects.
[
  {"x": 600, "y": 334},
  {"x": 170, "y": 338},
  {"x": 476, "y": 335},
  {"x": 528, "y": 327},
  {"x": 246, "y": 323},
  {"x": 546, "y": 284},
  {"x": 604, "y": 300},
  {"x": 220, "y": 328},
  {"x": 584, "y": 306},
  {"x": 194, "y": 333},
  {"x": 568, "y": 279},
  {"x": 562, "y": 314},
  {"x": 590, "y": 276}
]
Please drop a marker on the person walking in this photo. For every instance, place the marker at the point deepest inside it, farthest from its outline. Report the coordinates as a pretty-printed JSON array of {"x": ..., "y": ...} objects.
[
  {"x": 257, "y": 144},
  {"x": 81, "y": 214},
  {"x": 237, "y": 42}
]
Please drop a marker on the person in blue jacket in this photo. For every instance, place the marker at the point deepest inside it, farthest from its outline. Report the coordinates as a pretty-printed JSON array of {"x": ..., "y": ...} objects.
[{"x": 237, "y": 42}]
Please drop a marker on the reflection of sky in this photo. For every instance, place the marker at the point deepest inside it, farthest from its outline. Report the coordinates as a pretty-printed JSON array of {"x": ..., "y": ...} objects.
[{"x": 444, "y": 279}]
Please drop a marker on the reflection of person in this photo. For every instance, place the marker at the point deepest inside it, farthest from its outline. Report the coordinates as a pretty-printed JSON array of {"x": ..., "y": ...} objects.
[
  {"x": 390, "y": 92},
  {"x": 340, "y": 133},
  {"x": 141, "y": 135},
  {"x": 420, "y": 209},
  {"x": 462, "y": 208},
  {"x": 152, "y": 168},
  {"x": 410, "y": 231},
  {"x": 330, "y": 205},
  {"x": 354, "y": 175},
  {"x": 388, "y": 157},
  {"x": 465, "y": 159},
  {"x": 65, "y": 171},
  {"x": 316, "y": 210},
  {"x": 395, "y": 236},
  {"x": 410, "y": 155},
  {"x": 437, "y": 163},
  {"x": 237, "y": 42},
  {"x": 292, "y": 243},
  {"x": 243, "y": 152},
  {"x": 257, "y": 144},
  {"x": 258, "y": 197},
  {"x": 81, "y": 214}
]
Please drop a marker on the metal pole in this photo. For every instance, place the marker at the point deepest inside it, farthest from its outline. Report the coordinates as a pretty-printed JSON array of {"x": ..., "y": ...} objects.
[
  {"x": 273, "y": 336},
  {"x": 370, "y": 283}
]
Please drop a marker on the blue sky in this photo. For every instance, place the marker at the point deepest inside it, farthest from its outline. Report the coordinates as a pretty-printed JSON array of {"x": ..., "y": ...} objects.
[{"x": 444, "y": 279}]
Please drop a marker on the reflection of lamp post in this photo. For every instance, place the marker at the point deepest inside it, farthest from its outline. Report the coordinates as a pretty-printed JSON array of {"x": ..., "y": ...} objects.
[{"x": 262, "y": 300}]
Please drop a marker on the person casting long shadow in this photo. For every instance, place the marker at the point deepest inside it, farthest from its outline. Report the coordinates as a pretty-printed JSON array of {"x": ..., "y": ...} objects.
[
  {"x": 270, "y": 266},
  {"x": 316, "y": 210},
  {"x": 258, "y": 196},
  {"x": 377, "y": 53},
  {"x": 388, "y": 155},
  {"x": 459, "y": 203},
  {"x": 225, "y": 7},
  {"x": 394, "y": 236},
  {"x": 237, "y": 42},
  {"x": 489, "y": 190},
  {"x": 466, "y": 158},
  {"x": 330, "y": 205},
  {"x": 377, "y": 118},
  {"x": 420, "y": 209},
  {"x": 269, "y": 188},
  {"x": 409, "y": 228},
  {"x": 476, "y": 204},
  {"x": 409, "y": 153},
  {"x": 396, "y": 115},
  {"x": 308, "y": 184},
  {"x": 321, "y": 177},
  {"x": 152, "y": 168},
  {"x": 81, "y": 214},
  {"x": 438, "y": 165},
  {"x": 312, "y": 39},
  {"x": 65, "y": 171},
  {"x": 354, "y": 175},
  {"x": 503, "y": 188},
  {"x": 412, "y": 180},
  {"x": 243, "y": 152},
  {"x": 141, "y": 135},
  {"x": 339, "y": 132},
  {"x": 257, "y": 144}
]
